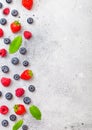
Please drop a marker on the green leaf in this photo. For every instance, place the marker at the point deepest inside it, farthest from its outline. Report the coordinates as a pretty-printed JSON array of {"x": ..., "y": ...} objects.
[
  {"x": 15, "y": 44},
  {"x": 36, "y": 113},
  {"x": 17, "y": 125}
]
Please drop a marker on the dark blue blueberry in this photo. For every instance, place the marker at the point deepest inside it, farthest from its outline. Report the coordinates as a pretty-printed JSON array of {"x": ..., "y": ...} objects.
[
  {"x": 22, "y": 50},
  {"x": 31, "y": 88},
  {"x": 8, "y": 96},
  {"x": 5, "y": 123},
  {"x": 3, "y": 21},
  {"x": 30, "y": 20},
  {"x": 14, "y": 12},
  {"x": 7, "y": 41},
  {"x": 26, "y": 100},
  {"x": 5, "y": 69},
  {"x": 13, "y": 117},
  {"x": 0, "y": 93},
  {"x": 25, "y": 63},
  {"x": 1, "y": 5},
  {"x": 15, "y": 60},
  {"x": 24, "y": 127},
  {"x": 16, "y": 76},
  {"x": 8, "y": 1}
]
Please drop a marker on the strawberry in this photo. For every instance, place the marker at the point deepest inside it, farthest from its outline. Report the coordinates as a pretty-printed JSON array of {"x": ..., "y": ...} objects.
[
  {"x": 6, "y": 11},
  {"x": 27, "y": 34},
  {"x": 26, "y": 75},
  {"x": 5, "y": 81},
  {"x": 3, "y": 52},
  {"x": 19, "y": 109},
  {"x": 19, "y": 92},
  {"x": 15, "y": 26},
  {"x": 4, "y": 109},
  {"x": 27, "y": 4},
  {"x": 1, "y": 32}
]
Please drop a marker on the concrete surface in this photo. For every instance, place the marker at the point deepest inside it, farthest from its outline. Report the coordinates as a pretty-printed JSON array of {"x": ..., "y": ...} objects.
[{"x": 60, "y": 55}]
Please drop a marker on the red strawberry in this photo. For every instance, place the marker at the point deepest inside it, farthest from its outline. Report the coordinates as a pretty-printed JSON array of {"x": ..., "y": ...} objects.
[
  {"x": 27, "y": 34},
  {"x": 5, "y": 81},
  {"x": 27, "y": 4},
  {"x": 6, "y": 11},
  {"x": 27, "y": 74},
  {"x": 15, "y": 26},
  {"x": 3, "y": 52},
  {"x": 1, "y": 32},
  {"x": 4, "y": 110},
  {"x": 19, "y": 109},
  {"x": 19, "y": 92}
]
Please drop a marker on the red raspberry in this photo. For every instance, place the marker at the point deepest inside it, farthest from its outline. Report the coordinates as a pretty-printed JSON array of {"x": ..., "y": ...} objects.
[
  {"x": 19, "y": 92},
  {"x": 27, "y": 34},
  {"x": 4, "y": 109},
  {"x": 1, "y": 32},
  {"x": 3, "y": 52},
  {"x": 6, "y": 11},
  {"x": 5, "y": 81}
]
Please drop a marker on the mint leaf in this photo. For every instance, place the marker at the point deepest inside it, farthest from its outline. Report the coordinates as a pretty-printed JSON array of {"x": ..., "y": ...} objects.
[
  {"x": 17, "y": 125},
  {"x": 36, "y": 113},
  {"x": 15, "y": 44}
]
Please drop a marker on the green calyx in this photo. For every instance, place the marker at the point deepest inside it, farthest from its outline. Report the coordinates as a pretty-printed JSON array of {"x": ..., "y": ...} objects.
[
  {"x": 17, "y": 22},
  {"x": 30, "y": 73},
  {"x": 15, "y": 108}
]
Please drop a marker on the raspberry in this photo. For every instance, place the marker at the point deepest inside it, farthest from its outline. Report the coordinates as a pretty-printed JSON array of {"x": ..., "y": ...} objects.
[
  {"x": 4, "y": 109},
  {"x": 19, "y": 92},
  {"x": 1, "y": 32},
  {"x": 27, "y": 34},
  {"x": 6, "y": 11},
  {"x": 5, "y": 81},
  {"x": 3, "y": 52}
]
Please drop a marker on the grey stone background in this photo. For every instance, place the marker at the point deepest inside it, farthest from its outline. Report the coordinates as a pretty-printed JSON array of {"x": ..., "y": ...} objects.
[{"x": 60, "y": 55}]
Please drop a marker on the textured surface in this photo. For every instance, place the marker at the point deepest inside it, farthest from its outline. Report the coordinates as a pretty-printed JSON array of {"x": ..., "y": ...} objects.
[{"x": 60, "y": 54}]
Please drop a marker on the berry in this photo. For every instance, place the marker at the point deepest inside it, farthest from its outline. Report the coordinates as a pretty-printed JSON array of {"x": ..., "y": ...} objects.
[
  {"x": 14, "y": 60},
  {"x": 28, "y": 4},
  {"x": 3, "y": 52},
  {"x": 19, "y": 92},
  {"x": 27, "y": 35},
  {"x": 26, "y": 100},
  {"x": 8, "y": 96},
  {"x": 5, "y": 81},
  {"x": 1, "y": 5},
  {"x": 5, "y": 123},
  {"x": 26, "y": 74},
  {"x": 30, "y": 20},
  {"x": 22, "y": 50},
  {"x": 14, "y": 12},
  {"x": 31, "y": 88},
  {"x": 25, "y": 63},
  {"x": 9, "y": 1},
  {"x": 0, "y": 93},
  {"x": 6, "y": 11},
  {"x": 19, "y": 109},
  {"x": 13, "y": 117},
  {"x": 1, "y": 32},
  {"x": 5, "y": 69},
  {"x": 24, "y": 127},
  {"x": 7, "y": 41},
  {"x": 15, "y": 26},
  {"x": 3, "y": 21},
  {"x": 4, "y": 109},
  {"x": 16, "y": 76}
]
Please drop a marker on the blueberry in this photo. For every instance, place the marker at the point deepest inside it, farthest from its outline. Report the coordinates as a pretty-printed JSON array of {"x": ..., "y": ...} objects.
[
  {"x": 1, "y": 5},
  {"x": 24, "y": 127},
  {"x": 8, "y": 1},
  {"x": 30, "y": 20},
  {"x": 16, "y": 76},
  {"x": 5, "y": 123},
  {"x": 7, "y": 41},
  {"x": 0, "y": 93},
  {"x": 5, "y": 69},
  {"x": 13, "y": 117},
  {"x": 8, "y": 96},
  {"x": 15, "y": 60},
  {"x": 14, "y": 12},
  {"x": 25, "y": 63},
  {"x": 31, "y": 88},
  {"x": 3, "y": 21},
  {"x": 22, "y": 50},
  {"x": 26, "y": 100}
]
